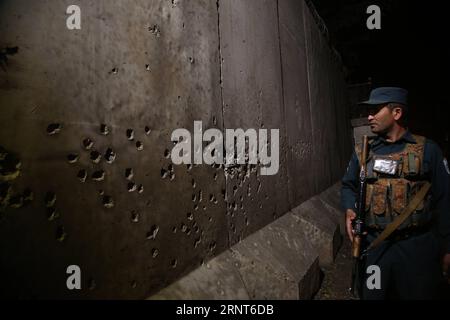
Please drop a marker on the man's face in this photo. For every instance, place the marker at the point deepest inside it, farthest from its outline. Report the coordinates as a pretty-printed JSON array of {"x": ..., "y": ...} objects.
[{"x": 381, "y": 118}]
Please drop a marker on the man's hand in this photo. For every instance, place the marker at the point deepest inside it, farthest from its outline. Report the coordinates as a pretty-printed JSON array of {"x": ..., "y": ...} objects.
[
  {"x": 350, "y": 215},
  {"x": 446, "y": 266}
]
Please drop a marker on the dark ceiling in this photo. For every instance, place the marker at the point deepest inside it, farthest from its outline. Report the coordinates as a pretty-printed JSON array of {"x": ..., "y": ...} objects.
[{"x": 411, "y": 50}]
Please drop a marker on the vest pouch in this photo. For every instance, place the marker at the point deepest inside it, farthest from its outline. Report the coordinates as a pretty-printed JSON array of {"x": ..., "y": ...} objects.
[
  {"x": 369, "y": 196},
  {"x": 399, "y": 195},
  {"x": 413, "y": 165},
  {"x": 379, "y": 198}
]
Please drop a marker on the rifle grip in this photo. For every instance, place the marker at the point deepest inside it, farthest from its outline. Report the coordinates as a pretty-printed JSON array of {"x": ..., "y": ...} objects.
[{"x": 356, "y": 246}]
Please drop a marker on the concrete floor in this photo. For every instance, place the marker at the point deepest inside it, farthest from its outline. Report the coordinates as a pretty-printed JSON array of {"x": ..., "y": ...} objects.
[{"x": 337, "y": 276}]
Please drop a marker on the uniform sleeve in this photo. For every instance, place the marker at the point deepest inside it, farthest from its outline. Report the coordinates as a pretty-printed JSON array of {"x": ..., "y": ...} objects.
[
  {"x": 440, "y": 185},
  {"x": 349, "y": 189}
]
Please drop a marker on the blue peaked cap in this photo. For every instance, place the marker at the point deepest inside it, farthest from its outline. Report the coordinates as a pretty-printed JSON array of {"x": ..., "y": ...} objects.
[{"x": 385, "y": 95}]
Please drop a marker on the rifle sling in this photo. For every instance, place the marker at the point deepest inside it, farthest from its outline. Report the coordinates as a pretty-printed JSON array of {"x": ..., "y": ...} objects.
[{"x": 402, "y": 217}]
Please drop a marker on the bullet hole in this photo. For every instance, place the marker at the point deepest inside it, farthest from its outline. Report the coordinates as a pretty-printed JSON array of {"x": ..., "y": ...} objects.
[
  {"x": 260, "y": 206},
  {"x": 147, "y": 67},
  {"x": 148, "y": 203},
  {"x": 104, "y": 129},
  {"x": 98, "y": 175},
  {"x": 133, "y": 284},
  {"x": 197, "y": 229},
  {"x": 147, "y": 130},
  {"x": 50, "y": 199},
  {"x": 174, "y": 229},
  {"x": 139, "y": 145},
  {"x": 101, "y": 192},
  {"x": 166, "y": 153},
  {"x": 155, "y": 252},
  {"x": 210, "y": 219},
  {"x": 52, "y": 214},
  {"x": 95, "y": 156},
  {"x": 183, "y": 227},
  {"x": 234, "y": 190},
  {"x": 259, "y": 187},
  {"x": 197, "y": 242},
  {"x": 130, "y": 134},
  {"x": 131, "y": 187},
  {"x": 88, "y": 144},
  {"x": 214, "y": 121},
  {"x": 151, "y": 235},
  {"x": 60, "y": 234},
  {"x": 129, "y": 174},
  {"x": 91, "y": 284},
  {"x": 223, "y": 192},
  {"x": 211, "y": 198},
  {"x": 82, "y": 175},
  {"x": 171, "y": 172},
  {"x": 188, "y": 231},
  {"x": 193, "y": 183},
  {"x": 164, "y": 173},
  {"x": 212, "y": 246},
  {"x": 53, "y": 128},
  {"x": 247, "y": 222},
  {"x": 134, "y": 216},
  {"x": 194, "y": 197},
  {"x": 140, "y": 189},
  {"x": 191, "y": 60},
  {"x": 155, "y": 30},
  {"x": 114, "y": 71},
  {"x": 241, "y": 198},
  {"x": 242, "y": 206},
  {"x": 110, "y": 156},
  {"x": 108, "y": 202},
  {"x": 215, "y": 177},
  {"x": 190, "y": 216},
  {"x": 173, "y": 263},
  {"x": 200, "y": 196},
  {"x": 72, "y": 158},
  {"x": 189, "y": 167}
]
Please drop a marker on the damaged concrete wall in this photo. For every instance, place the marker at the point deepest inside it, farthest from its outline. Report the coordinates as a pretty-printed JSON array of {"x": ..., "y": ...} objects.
[{"x": 89, "y": 113}]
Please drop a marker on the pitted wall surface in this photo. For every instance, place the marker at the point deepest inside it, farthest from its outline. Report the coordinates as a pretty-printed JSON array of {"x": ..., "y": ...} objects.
[{"x": 86, "y": 118}]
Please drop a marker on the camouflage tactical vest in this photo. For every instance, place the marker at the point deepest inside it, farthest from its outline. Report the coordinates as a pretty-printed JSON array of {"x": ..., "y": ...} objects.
[{"x": 392, "y": 181}]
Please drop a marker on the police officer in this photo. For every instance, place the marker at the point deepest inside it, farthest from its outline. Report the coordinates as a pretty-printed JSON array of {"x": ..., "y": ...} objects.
[{"x": 413, "y": 258}]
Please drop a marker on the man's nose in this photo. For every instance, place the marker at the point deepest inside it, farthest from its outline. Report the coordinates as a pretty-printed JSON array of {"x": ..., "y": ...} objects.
[{"x": 370, "y": 117}]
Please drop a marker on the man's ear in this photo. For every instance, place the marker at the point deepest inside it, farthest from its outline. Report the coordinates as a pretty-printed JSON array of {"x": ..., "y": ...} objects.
[{"x": 397, "y": 113}]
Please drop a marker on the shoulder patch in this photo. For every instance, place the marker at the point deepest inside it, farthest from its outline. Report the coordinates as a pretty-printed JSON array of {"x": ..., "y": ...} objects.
[{"x": 446, "y": 165}]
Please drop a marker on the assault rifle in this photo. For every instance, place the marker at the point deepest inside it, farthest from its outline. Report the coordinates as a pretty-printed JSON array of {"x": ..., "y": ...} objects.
[{"x": 358, "y": 222}]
